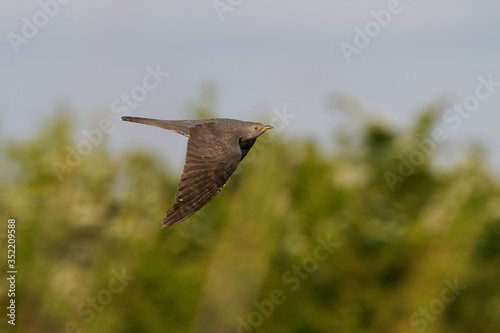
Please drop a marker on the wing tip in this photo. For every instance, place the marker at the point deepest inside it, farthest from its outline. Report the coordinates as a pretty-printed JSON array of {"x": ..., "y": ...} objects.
[
  {"x": 170, "y": 221},
  {"x": 165, "y": 223},
  {"x": 172, "y": 218}
]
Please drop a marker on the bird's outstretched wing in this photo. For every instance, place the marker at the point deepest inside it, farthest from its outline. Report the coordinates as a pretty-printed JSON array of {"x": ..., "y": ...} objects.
[{"x": 210, "y": 161}]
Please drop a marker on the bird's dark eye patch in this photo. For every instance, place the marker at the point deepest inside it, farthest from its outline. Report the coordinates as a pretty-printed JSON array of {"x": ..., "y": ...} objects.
[{"x": 255, "y": 127}]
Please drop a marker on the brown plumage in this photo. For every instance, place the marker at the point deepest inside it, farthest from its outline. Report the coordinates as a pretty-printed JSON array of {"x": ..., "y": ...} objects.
[{"x": 214, "y": 149}]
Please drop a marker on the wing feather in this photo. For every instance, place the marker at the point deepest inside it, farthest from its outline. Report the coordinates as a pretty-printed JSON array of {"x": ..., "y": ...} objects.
[{"x": 210, "y": 161}]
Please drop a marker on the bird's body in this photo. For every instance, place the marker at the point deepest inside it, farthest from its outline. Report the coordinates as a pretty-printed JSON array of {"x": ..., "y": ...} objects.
[{"x": 215, "y": 147}]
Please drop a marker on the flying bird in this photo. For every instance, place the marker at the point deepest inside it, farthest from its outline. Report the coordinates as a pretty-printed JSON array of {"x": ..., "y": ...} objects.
[{"x": 215, "y": 148}]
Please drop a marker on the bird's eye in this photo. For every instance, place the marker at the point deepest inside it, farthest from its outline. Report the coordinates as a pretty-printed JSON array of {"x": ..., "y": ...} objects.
[{"x": 256, "y": 127}]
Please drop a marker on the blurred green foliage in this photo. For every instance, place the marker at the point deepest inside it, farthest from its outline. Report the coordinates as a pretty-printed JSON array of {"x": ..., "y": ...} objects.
[{"x": 215, "y": 270}]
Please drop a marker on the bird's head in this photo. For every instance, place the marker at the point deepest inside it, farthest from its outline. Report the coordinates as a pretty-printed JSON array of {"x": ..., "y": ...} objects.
[{"x": 253, "y": 130}]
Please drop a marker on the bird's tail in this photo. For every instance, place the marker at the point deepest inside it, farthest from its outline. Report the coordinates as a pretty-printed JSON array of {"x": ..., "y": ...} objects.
[{"x": 179, "y": 126}]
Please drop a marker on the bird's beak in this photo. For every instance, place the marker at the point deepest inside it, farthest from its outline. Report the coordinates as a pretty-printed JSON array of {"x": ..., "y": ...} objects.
[{"x": 265, "y": 128}]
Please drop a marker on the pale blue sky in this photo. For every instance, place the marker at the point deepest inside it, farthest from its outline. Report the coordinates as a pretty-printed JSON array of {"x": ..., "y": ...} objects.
[{"x": 264, "y": 54}]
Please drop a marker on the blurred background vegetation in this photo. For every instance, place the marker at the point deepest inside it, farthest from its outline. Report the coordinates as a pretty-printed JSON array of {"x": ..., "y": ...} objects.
[{"x": 395, "y": 249}]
